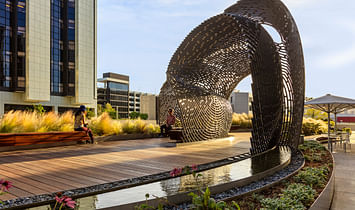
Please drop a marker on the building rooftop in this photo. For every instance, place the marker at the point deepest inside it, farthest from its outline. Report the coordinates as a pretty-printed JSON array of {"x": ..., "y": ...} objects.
[
  {"x": 113, "y": 77},
  {"x": 116, "y": 76}
]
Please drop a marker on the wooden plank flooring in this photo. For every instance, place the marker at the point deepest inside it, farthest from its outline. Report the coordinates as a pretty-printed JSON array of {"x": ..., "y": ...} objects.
[{"x": 41, "y": 171}]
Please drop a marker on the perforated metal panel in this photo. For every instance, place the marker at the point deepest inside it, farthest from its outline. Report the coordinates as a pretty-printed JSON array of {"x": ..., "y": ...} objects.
[{"x": 222, "y": 51}]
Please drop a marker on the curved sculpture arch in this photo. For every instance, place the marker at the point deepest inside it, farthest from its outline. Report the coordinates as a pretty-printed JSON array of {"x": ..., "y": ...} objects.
[{"x": 218, "y": 54}]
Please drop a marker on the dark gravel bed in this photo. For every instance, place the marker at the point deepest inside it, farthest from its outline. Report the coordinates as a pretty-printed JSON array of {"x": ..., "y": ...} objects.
[
  {"x": 44, "y": 199},
  {"x": 297, "y": 161}
]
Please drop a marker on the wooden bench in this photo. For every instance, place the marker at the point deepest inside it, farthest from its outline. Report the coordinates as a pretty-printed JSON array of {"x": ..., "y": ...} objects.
[
  {"x": 176, "y": 134},
  {"x": 23, "y": 139},
  {"x": 324, "y": 139}
]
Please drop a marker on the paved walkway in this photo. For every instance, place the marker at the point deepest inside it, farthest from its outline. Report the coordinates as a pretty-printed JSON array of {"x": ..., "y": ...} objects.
[
  {"x": 42, "y": 171},
  {"x": 344, "y": 197}
]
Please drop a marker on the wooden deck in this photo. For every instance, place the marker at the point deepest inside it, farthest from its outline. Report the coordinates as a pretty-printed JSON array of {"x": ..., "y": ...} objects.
[{"x": 41, "y": 171}]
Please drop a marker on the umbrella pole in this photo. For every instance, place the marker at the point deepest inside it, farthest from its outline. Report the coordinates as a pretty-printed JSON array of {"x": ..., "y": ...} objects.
[
  {"x": 335, "y": 127},
  {"x": 329, "y": 143}
]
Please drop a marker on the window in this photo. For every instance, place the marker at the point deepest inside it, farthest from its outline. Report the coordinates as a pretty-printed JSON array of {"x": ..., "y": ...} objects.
[
  {"x": 60, "y": 64},
  {"x": 7, "y": 9},
  {"x": 117, "y": 86}
]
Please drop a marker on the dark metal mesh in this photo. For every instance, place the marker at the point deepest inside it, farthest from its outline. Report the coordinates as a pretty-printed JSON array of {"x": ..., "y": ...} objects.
[{"x": 221, "y": 52}]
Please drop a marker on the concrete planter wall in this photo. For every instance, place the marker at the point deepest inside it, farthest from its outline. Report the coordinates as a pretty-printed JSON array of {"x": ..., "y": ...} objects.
[{"x": 325, "y": 198}]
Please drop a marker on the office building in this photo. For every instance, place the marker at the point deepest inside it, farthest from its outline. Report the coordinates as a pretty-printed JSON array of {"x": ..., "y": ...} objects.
[
  {"x": 114, "y": 89},
  {"x": 53, "y": 59},
  {"x": 148, "y": 105},
  {"x": 241, "y": 102},
  {"x": 135, "y": 101},
  {"x": 144, "y": 103}
]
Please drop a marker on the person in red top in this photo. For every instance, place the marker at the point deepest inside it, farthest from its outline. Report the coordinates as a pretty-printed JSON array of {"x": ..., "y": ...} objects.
[{"x": 170, "y": 120}]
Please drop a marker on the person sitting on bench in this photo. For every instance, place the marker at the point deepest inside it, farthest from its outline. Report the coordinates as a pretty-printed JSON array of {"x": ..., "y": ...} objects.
[
  {"x": 170, "y": 120},
  {"x": 80, "y": 124}
]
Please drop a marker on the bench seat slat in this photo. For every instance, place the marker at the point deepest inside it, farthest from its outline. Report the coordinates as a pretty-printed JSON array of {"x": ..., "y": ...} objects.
[{"x": 22, "y": 139}]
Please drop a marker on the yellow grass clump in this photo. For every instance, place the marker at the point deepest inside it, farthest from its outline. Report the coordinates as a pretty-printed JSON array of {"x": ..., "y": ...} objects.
[
  {"x": 105, "y": 125},
  {"x": 128, "y": 126},
  {"x": 26, "y": 121},
  {"x": 150, "y": 128},
  {"x": 312, "y": 126},
  {"x": 102, "y": 125},
  {"x": 9, "y": 122},
  {"x": 243, "y": 120}
]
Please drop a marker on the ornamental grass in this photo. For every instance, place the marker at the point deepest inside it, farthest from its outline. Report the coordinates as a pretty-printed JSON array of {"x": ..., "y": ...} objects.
[
  {"x": 28, "y": 121},
  {"x": 312, "y": 126},
  {"x": 243, "y": 120},
  {"x": 105, "y": 125}
]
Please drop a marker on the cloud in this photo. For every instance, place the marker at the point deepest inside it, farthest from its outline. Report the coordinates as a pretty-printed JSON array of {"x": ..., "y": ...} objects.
[
  {"x": 340, "y": 54},
  {"x": 338, "y": 59}
]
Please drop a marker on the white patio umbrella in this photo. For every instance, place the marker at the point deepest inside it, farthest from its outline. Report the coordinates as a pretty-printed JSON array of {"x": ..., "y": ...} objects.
[{"x": 331, "y": 104}]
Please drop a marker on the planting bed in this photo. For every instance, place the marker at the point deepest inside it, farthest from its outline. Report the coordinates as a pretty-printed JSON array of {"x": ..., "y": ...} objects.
[
  {"x": 289, "y": 188},
  {"x": 301, "y": 190}
]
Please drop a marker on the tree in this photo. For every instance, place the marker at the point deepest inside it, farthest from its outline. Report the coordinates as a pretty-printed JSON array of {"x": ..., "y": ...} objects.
[
  {"x": 39, "y": 108},
  {"x": 315, "y": 114},
  {"x": 133, "y": 115},
  {"x": 100, "y": 109},
  {"x": 143, "y": 116},
  {"x": 90, "y": 113},
  {"x": 111, "y": 111}
]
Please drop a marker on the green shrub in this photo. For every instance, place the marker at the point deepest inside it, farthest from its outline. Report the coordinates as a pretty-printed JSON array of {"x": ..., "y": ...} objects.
[
  {"x": 316, "y": 177},
  {"x": 313, "y": 146},
  {"x": 300, "y": 192},
  {"x": 281, "y": 204},
  {"x": 204, "y": 201},
  {"x": 313, "y": 157},
  {"x": 133, "y": 115},
  {"x": 295, "y": 196},
  {"x": 143, "y": 116}
]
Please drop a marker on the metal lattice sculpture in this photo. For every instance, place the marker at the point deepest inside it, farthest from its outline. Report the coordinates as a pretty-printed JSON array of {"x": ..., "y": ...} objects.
[{"x": 222, "y": 51}]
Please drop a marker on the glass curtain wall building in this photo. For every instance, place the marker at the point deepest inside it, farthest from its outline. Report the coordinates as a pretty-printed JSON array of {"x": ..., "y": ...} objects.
[
  {"x": 47, "y": 53},
  {"x": 63, "y": 47},
  {"x": 12, "y": 50}
]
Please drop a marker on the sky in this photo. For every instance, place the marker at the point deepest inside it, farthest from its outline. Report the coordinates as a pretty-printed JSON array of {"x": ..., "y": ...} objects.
[{"x": 138, "y": 38}]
